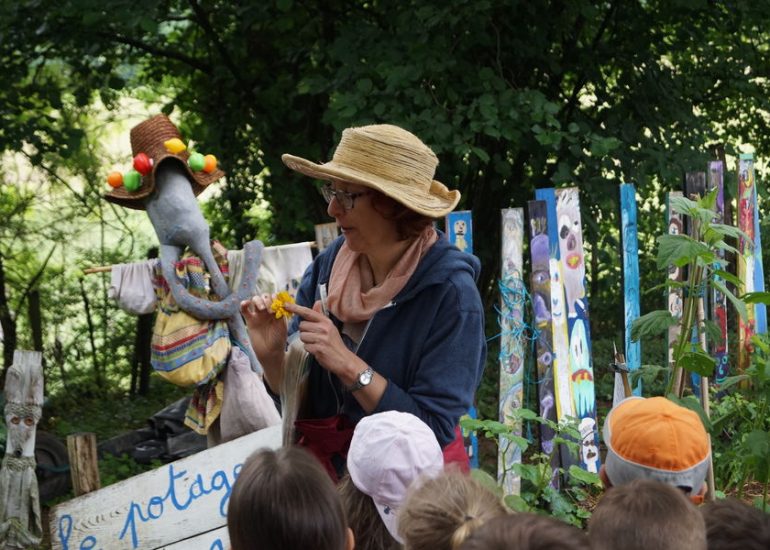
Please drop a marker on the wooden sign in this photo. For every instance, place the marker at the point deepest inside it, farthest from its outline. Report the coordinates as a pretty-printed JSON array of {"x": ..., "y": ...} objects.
[
  {"x": 512, "y": 348},
  {"x": 180, "y": 505},
  {"x": 325, "y": 233},
  {"x": 459, "y": 230},
  {"x": 573, "y": 268},
  {"x": 630, "y": 252},
  {"x": 675, "y": 274},
  {"x": 718, "y": 300},
  {"x": 750, "y": 269},
  {"x": 541, "y": 306}
]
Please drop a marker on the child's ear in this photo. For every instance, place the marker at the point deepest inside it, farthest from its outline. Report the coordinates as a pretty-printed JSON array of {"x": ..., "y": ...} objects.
[
  {"x": 605, "y": 479},
  {"x": 351, "y": 540}
]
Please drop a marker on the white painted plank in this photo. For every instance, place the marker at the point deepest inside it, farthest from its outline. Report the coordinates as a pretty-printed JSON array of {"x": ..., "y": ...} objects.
[
  {"x": 213, "y": 540},
  {"x": 161, "y": 507}
]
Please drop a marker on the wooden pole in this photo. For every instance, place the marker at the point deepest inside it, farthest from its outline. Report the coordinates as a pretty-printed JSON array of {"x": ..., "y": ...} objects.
[
  {"x": 20, "y": 519},
  {"x": 84, "y": 463}
]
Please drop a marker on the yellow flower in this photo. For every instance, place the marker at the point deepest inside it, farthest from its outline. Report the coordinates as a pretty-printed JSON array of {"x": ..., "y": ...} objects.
[{"x": 279, "y": 301}]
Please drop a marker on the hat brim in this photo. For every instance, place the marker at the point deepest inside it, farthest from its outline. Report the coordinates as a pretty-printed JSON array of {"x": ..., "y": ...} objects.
[
  {"x": 438, "y": 202},
  {"x": 200, "y": 180},
  {"x": 389, "y": 517}
]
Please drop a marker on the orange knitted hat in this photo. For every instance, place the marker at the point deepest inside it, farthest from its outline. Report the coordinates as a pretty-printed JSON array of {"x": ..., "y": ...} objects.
[{"x": 656, "y": 438}]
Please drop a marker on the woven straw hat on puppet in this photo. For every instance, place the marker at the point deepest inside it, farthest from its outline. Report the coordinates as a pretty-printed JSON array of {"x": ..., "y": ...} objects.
[
  {"x": 153, "y": 141},
  {"x": 387, "y": 159}
]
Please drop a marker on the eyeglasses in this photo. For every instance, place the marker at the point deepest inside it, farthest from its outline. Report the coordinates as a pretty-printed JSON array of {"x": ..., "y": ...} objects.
[{"x": 346, "y": 200}]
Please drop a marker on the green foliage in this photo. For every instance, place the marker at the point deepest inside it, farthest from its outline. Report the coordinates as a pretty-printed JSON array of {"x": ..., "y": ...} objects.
[
  {"x": 537, "y": 492},
  {"x": 700, "y": 255},
  {"x": 741, "y": 425}
]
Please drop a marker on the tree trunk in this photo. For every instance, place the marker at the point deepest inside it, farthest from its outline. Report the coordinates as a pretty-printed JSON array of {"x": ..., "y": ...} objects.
[
  {"x": 35, "y": 319},
  {"x": 8, "y": 323}
]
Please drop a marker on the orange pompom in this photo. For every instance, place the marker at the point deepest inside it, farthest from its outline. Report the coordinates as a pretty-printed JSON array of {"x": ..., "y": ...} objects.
[
  {"x": 115, "y": 179},
  {"x": 209, "y": 163}
]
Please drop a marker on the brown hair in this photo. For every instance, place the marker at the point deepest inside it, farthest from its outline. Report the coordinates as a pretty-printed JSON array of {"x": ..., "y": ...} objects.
[
  {"x": 731, "y": 523},
  {"x": 409, "y": 224},
  {"x": 525, "y": 531},
  {"x": 363, "y": 518},
  {"x": 644, "y": 514},
  {"x": 284, "y": 499},
  {"x": 442, "y": 512}
]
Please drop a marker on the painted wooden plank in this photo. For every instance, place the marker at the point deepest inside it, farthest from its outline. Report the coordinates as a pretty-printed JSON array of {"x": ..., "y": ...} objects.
[
  {"x": 459, "y": 232},
  {"x": 675, "y": 303},
  {"x": 512, "y": 341},
  {"x": 562, "y": 374},
  {"x": 694, "y": 188},
  {"x": 217, "y": 539},
  {"x": 572, "y": 260},
  {"x": 750, "y": 260},
  {"x": 158, "y": 508},
  {"x": 630, "y": 252},
  {"x": 719, "y": 349},
  {"x": 541, "y": 304},
  {"x": 325, "y": 233}
]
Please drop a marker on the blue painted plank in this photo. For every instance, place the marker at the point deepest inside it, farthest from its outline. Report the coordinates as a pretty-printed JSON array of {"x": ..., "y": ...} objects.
[{"x": 630, "y": 248}]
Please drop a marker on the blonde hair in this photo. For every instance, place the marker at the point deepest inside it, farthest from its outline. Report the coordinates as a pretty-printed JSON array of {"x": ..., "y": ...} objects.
[
  {"x": 363, "y": 518},
  {"x": 644, "y": 514},
  {"x": 441, "y": 513}
]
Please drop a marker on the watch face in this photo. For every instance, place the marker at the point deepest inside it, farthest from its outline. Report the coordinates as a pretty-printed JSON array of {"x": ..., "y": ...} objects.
[{"x": 365, "y": 377}]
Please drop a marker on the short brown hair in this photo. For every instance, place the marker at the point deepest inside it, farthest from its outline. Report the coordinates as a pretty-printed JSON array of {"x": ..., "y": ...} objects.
[
  {"x": 284, "y": 499},
  {"x": 526, "y": 531},
  {"x": 644, "y": 514},
  {"x": 409, "y": 224},
  {"x": 731, "y": 523},
  {"x": 363, "y": 518},
  {"x": 441, "y": 513}
]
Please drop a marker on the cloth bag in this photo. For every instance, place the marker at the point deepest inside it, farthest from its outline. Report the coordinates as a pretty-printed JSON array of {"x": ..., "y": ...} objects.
[{"x": 185, "y": 350}]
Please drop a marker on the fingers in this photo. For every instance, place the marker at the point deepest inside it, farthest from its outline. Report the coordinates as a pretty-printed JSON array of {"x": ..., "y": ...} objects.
[
  {"x": 256, "y": 305},
  {"x": 306, "y": 313}
]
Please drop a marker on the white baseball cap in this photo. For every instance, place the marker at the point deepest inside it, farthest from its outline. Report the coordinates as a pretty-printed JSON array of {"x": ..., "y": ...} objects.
[{"x": 389, "y": 451}]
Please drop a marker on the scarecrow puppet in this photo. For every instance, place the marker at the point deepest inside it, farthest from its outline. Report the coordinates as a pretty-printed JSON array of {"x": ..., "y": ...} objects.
[{"x": 199, "y": 338}]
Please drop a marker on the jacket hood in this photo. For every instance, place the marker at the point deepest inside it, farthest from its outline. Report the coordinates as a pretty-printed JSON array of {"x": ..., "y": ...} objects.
[{"x": 441, "y": 261}]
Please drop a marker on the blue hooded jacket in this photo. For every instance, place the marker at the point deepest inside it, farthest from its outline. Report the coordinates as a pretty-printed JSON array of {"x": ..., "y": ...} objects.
[{"x": 428, "y": 342}]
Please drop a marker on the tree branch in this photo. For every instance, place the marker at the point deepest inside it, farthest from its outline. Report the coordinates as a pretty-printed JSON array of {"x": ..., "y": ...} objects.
[{"x": 153, "y": 50}]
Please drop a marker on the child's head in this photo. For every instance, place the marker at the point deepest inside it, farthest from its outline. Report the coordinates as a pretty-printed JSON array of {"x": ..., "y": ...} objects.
[
  {"x": 731, "y": 523},
  {"x": 657, "y": 439},
  {"x": 284, "y": 499},
  {"x": 389, "y": 451},
  {"x": 525, "y": 531},
  {"x": 644, "y": 514},
  {"x": 364, "y": 518},
  {"x": 442, "y": 512}
]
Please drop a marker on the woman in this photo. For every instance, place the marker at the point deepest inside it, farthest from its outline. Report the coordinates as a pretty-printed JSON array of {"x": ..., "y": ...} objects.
[{"x": 405, "y": 326}]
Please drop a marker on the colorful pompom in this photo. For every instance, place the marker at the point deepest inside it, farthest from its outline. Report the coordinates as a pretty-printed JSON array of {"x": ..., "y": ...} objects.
[
  {"x": 132, "y": 181},
  {"x": 115, "y": 179},
  {"x": 142, "y": 164},
  {"x": 174, "y": 146},
  {"x": 210, "y": 163},
  {"x": 196, "y": 162}
]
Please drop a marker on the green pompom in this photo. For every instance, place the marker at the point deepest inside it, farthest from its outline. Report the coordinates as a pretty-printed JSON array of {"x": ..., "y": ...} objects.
[
  {"x": 196, "y": 162},
  {"x": 132, "y": 181}
]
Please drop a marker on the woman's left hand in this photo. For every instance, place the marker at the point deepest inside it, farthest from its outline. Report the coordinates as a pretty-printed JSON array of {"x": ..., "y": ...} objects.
[{"x": 322, "y": 339}]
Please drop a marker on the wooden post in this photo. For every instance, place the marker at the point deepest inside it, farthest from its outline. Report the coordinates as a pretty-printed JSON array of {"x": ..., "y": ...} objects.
[
  {"x": 20, "y": 520},
  {"x": 84, "y": 463}
]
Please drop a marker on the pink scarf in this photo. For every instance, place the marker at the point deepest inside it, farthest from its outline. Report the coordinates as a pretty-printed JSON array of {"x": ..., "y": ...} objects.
[{"x": 352, "y": 295}]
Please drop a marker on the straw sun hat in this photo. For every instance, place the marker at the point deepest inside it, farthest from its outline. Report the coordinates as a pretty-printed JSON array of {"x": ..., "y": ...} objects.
[
  {"x": 148, "y": 137},
  {"x": 390, "y": 160}
]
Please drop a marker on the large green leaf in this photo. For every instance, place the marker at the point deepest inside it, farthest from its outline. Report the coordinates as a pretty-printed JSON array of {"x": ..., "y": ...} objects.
[
  {"x": 739, "y": 305},
  {"x": 651, "y": 324},
  {"x": 697, "y": 361},
  {"x": 680, "y": 250}
]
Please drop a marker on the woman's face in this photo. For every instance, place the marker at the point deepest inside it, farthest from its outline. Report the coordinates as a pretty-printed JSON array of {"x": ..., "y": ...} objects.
[{"x": 363, "y": 226}]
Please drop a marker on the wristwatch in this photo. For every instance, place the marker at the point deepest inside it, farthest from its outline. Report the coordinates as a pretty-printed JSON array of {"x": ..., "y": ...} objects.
[{"x": 363, "y": 379}]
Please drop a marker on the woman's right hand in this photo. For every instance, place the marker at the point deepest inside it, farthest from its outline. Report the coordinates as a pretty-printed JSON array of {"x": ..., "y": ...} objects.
[{"x": 267, "y": 334}]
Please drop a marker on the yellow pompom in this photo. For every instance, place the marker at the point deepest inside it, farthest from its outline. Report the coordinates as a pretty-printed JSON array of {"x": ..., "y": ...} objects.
[{"x": 174, "y": 146}]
